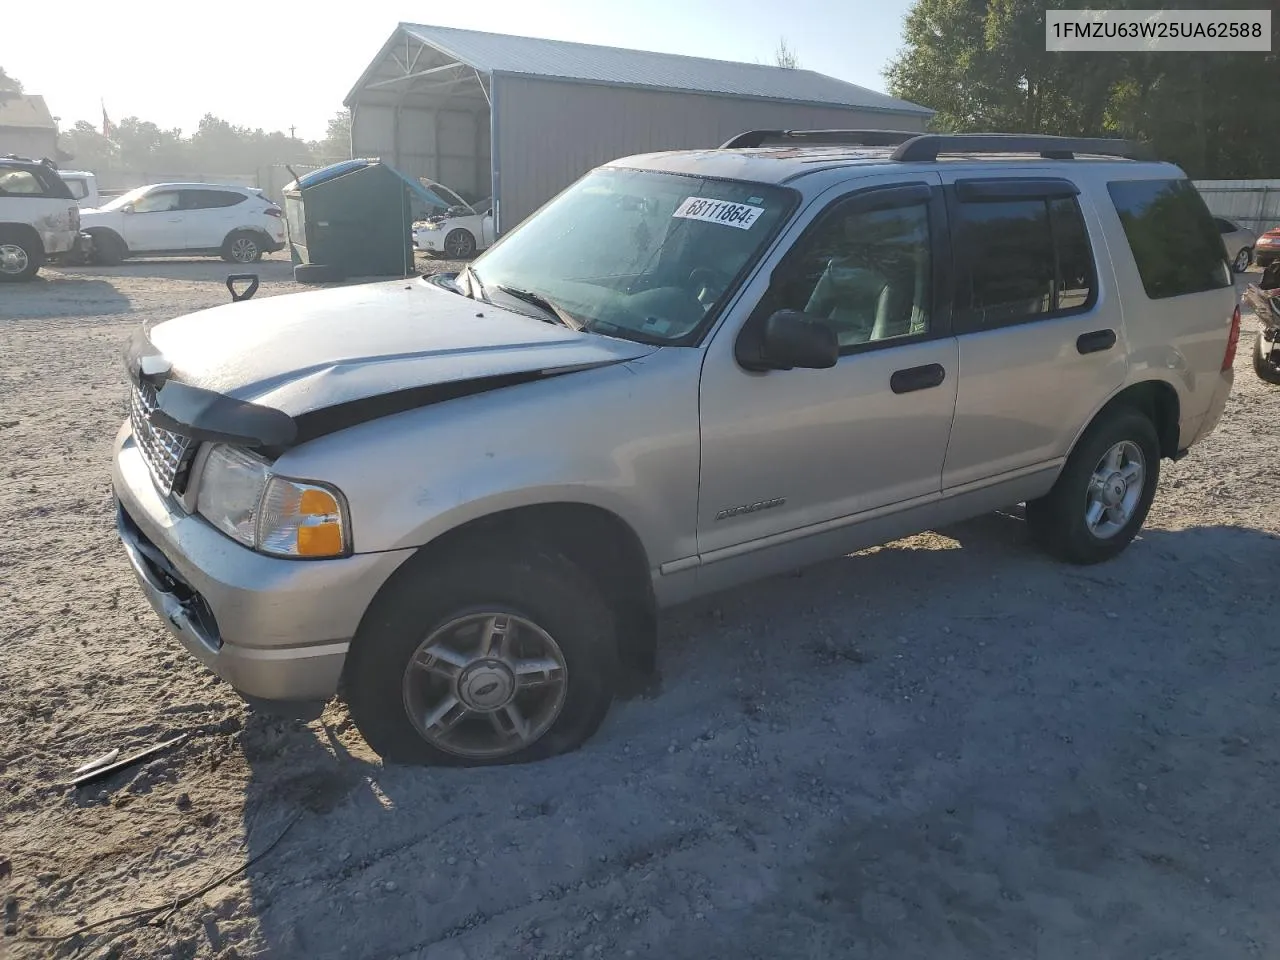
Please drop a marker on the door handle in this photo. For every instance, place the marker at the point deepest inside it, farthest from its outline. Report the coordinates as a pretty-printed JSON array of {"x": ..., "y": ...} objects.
[
  {"x": 1096, "y": 341},
  {"x": 917, "y": 378}
]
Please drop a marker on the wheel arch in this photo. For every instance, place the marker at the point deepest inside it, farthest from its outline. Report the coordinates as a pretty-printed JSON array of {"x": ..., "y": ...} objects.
[
  {"x": 24, "y": 230},
  {"x": 1157, "y": 400},
  {"x": 109, "y": 231},
  {"x": 601, "y": 543}
]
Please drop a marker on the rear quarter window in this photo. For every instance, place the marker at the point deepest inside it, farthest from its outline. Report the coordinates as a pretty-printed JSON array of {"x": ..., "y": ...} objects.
[{"x": 1175, "y": 242}]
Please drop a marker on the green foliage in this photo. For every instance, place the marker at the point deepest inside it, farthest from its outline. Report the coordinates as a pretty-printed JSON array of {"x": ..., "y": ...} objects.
[{"x": 982, "y": 65}]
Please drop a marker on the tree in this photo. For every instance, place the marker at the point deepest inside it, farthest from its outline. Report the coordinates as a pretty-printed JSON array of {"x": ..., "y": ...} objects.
[
  {"x": 9, "y": 84},
  {"x": 88, "y": 148},
  {"x": 784, "y": 56},
  {"x": 981, "y": 64},
  {"x": 336, "y": 144}
]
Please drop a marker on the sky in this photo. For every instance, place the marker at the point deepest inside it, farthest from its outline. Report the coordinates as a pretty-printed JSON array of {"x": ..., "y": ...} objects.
[{"x": 280, "y": 65}]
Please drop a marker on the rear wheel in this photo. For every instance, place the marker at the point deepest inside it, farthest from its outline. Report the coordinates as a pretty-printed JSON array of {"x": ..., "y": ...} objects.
[
  {"x": 1104, "y": 492},
  {"x": 489, "y": 658},
  {"x": 242, "y": 246},
  {"x": 21, "y": 256},
  {"x": 1241, "y": 262},
  {"x": 1263, "y": 365}
]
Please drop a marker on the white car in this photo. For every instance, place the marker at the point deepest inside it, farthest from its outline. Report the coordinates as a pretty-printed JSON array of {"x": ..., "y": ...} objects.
[
  {"x": 238, "y": 224},
  {"x": 458, "y": 234}
]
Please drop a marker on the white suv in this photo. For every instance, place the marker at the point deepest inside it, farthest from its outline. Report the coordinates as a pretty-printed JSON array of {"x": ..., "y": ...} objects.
[
  {"x": 186, "y": 219},
  {"x": 39, "y": 219}
]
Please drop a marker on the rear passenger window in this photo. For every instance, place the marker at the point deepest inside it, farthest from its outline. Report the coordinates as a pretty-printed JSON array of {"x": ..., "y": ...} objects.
[
  {"x": 1174, "y": 240},
  {"x": 20, "y": 183},
  {"x": 1020, "y": 260}
]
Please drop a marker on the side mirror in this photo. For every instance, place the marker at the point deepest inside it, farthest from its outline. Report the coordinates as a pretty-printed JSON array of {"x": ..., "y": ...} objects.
[
  {"x": 127, "y": 208},
  {"x": 787, "y": 340}
]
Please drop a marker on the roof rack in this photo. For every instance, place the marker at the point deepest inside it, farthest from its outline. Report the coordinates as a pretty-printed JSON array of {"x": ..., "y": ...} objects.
[
  {"x": 928, "y": 146},
  {"x": 845, "y": 138}
]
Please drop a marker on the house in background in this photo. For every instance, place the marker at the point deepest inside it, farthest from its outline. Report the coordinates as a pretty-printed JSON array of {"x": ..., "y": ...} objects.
[{"x": 27, "y": 128}]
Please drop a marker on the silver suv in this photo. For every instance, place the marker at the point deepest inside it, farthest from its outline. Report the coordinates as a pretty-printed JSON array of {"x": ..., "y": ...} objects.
[{"x": 462, "y": 500}]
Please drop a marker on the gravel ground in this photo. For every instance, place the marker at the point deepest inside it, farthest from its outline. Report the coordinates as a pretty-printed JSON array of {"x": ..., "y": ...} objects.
[{"x": 945, "y": 747}]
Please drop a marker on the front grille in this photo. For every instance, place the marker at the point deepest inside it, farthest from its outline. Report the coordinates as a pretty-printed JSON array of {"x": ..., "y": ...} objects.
[{"x": 168, "y": 454}]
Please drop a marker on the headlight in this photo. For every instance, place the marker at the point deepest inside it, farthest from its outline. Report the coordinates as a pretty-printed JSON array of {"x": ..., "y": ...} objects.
[{"x": 270, "y": 514}]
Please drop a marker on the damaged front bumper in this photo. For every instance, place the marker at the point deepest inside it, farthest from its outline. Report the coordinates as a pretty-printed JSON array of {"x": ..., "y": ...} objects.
[{"x": 275, "y": 629}]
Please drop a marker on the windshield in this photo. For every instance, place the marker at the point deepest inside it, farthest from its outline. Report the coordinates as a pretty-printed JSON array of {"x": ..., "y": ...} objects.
[
  {"x": 638, "y": 254},
  {"x": 124, "y": 198}
]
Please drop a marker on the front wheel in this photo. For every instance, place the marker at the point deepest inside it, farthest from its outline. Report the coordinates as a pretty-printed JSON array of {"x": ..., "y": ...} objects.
[
  {"x": 483, "y": 659},
  {"x": 1263, "y": 365},
  {"x": 1104, "y": 492},
  {"x": 459, "y": 244},
  {"x": 1241, "y": 262},
  {"x": 20, "y": 258}
]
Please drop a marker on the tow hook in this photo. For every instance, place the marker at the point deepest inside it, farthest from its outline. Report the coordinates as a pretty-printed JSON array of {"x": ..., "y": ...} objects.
[{"x": 247, "y": 278}]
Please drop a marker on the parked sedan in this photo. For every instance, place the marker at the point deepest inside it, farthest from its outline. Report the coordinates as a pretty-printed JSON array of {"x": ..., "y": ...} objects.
[
  {"x": 458, "y": 234},
  {"x": 238, "y": 224},
  {"x": 1267, "y": 249},
  {"x": 1239, "y": 243}
]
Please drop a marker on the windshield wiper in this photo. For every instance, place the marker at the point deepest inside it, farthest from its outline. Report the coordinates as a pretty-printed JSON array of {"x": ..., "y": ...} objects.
[{"x": 542, "y": 303}]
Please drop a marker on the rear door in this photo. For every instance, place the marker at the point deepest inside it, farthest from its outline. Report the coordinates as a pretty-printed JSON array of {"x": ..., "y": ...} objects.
[
  {"x": 210, "y": 215},
  {"x": 1038, "y": 324}
]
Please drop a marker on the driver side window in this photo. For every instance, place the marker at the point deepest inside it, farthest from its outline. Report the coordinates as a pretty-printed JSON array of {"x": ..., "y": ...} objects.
[{"x": 866, "y": 273}]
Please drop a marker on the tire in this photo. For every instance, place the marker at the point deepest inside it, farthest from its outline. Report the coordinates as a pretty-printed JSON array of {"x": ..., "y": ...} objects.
[
  {"x": 108, "y": 248},
  {"x": 535, "y": 595},
  {"x": 21, "y": 256},
  {"x": 1058, "y": 520},
  {"x": 459, "y": 244},
  {"x": 242, "y": 246},
  {"x": 318, "y": 273},
  {"x": 1242, "y": 260},
  {"x": 1266, "y": 368}
]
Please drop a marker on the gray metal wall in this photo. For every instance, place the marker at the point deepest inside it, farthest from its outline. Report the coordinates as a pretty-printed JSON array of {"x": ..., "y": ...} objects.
[
  {"x": 451, "y": 146},
  {"x": 551, "y": 132},
  {"x": 1254, "y": 204}
]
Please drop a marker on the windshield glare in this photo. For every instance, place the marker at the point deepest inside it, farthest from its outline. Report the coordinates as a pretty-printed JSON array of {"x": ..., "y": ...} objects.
[
  {"x": 124, "y": 198},
  {"x": 638, "y": 253}
]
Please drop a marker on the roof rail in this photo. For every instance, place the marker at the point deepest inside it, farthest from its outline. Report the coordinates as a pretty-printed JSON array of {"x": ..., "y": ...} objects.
[
  {"x": 845, "y": 138},
  {"x": 928, "y": 146}
]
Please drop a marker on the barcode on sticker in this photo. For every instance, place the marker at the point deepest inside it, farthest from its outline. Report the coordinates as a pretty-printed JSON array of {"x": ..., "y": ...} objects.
[{"x": 719, "y": 211}]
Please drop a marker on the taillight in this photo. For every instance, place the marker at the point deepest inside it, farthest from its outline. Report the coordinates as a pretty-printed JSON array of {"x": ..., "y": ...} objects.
[
  {"x": 75, "y": 219},
  {"x": 272, "y": 211},
  {"x": 1233, "y": 340}
]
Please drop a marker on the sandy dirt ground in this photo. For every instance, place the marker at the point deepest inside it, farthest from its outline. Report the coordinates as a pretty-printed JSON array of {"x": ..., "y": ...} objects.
[{"x": 946, "y": 747}]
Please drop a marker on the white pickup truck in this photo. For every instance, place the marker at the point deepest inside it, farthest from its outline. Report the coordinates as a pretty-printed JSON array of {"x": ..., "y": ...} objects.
[{"x": 39, "y": 218}]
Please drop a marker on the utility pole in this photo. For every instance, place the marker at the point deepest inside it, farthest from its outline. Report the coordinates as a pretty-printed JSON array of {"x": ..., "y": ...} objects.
[{"x": 291, "y": 136}]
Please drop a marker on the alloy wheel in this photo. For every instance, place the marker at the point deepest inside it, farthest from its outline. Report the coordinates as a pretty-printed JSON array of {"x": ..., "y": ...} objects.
[
  {"x": 485, "y": 685},
  {"x": 1115, "y": 488}
]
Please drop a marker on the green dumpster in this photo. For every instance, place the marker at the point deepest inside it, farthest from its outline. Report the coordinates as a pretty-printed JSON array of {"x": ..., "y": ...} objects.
[{"x": 353, "y": 219}]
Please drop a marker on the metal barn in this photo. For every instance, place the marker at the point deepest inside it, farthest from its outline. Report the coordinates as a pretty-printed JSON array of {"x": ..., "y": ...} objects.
[{"x": 519, "y": 119}]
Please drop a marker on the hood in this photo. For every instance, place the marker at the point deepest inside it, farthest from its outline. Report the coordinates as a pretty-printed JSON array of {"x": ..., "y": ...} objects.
[{"x": 331, "y": 358}]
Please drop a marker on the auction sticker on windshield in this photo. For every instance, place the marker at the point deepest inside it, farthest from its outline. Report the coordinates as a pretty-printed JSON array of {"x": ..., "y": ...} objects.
[{"x": 719, "y": 211}]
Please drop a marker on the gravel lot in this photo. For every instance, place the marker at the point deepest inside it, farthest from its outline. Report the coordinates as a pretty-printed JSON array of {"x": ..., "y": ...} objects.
[{"x": 945, "y": 747}]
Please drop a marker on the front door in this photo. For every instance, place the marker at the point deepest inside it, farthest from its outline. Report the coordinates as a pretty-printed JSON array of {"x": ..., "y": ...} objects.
[
  {"x": 155, "y": 223},
  {"x": 1037, "y": 321},
  {"x": 786, "y": 449}
]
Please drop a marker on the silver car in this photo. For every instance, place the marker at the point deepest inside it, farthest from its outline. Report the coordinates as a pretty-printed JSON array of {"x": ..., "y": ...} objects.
[
  {"x": 1239, "y": 242},
  {"x": 461, "y": 501}
]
